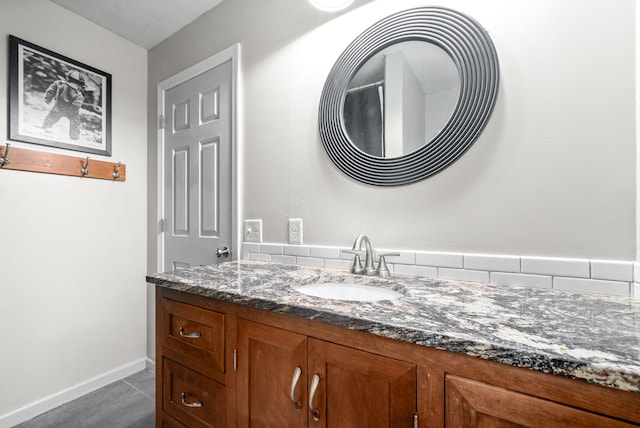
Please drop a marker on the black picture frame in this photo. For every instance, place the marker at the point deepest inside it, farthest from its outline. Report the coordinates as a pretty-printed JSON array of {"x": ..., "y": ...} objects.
[{"x": 57, "y": 101}]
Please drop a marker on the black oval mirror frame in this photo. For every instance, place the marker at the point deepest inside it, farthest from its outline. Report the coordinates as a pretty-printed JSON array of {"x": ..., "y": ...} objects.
[{"x": 475, "y": 57}]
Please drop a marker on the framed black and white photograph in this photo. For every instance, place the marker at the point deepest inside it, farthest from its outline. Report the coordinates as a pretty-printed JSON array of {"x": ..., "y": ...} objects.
[{"x": 57, "y": 101}]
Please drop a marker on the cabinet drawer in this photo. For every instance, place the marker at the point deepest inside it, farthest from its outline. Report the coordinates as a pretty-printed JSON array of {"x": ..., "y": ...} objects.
[
  {"x": 194, "y": 333},
  {"x": 169, "y": 423},
  {"x": 191, "y": 398}
]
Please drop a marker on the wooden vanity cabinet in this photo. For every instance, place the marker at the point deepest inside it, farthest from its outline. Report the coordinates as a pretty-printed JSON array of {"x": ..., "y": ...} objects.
[
  {"x": 191, "y": 373},
  {"x": 242, "y": 367},
  {"x": 471, "y": 403},
  {"x": 290, "y": 380}
]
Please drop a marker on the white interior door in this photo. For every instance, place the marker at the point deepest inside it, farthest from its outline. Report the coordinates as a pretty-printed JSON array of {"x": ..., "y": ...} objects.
[{"x": 197, "y": 179}]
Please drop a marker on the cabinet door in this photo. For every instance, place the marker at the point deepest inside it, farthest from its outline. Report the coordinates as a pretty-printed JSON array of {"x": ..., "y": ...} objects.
[
  {"x": 358, "y": 389},
  {"x": 267, "y": 362},
  {"x": 475, "y": 404}
]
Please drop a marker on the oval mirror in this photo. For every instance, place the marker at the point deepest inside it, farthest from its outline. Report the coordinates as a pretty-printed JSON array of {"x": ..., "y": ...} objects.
[
  {"x": 371, "y": 120},
  {"x": 400, "y": 98}
]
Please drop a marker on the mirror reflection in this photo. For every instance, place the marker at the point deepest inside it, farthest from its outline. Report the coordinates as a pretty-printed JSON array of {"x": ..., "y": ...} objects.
[{"x": 401, "y": 98}]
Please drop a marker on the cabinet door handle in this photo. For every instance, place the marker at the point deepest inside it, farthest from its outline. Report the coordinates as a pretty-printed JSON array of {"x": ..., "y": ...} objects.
[
  {"x": 294, "y": 382},
  {"x": 189, "y": 335},
  {"x": 183, "y": 397},
  {"x": 312, "y": 393}
]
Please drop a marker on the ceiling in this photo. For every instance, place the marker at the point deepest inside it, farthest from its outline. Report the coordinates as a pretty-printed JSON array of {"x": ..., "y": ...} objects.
[{"x": 143, "y": 22}]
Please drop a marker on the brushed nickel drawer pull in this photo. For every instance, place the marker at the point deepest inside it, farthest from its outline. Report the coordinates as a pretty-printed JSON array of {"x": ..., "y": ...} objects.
[
  {"x": 294, "y": 382},
  {"x": 314, "y": 385},
  {"x": 195, "y": 335},
  {"x": 196, "y": 404}
]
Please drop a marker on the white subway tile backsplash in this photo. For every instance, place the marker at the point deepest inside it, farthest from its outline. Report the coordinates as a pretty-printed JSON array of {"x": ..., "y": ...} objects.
[
  {"x": 416, "y": 270},
  {"x": 277, "y": 258},
  {"x": 338, "y": 264},
  {"x": 310, "y": 261},
  {"x": 537, "y": 281},
  {"x": 464, "y": 275},
  {"x": 324, "y": 252},
  {"x": 449, "y": 260},
  {"x": 249, "y": 247},
  {"x": 614, "y": 288},
  {"x": 260, "y": 257},
  {"x": 593, "y": 276},
  {"x": 405, "y": 257},
  {"x": 578, "y": 268},
  {"x": 345, "y": 254},
  {"x": 612, "y": 270},
  {"x": 492, "y": 263},
  {"x": 296, "y": 250},
  {"x": 271, "y": 248}
]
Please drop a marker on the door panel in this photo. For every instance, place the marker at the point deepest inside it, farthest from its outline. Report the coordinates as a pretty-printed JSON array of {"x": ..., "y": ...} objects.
[
  {"x": 180, "y": 192},
  {"x": 471, "y": 404},
  {"x": 359, "y": 389},
  {"x": 267, "y": 360},
  {"x": 181, "y": 117},
  {"x": 210, "y": 188},
  {"x": 197, "y": 169},
  {"x": 210, "y": 105}
]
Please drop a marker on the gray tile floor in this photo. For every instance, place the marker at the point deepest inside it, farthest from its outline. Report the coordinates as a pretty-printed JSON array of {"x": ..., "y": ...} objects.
[{"x": 127, "y": 403}]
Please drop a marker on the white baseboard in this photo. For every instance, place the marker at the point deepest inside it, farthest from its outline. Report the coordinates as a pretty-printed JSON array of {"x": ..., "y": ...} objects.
[
  {"x": 151, "y": 364},
  {"x": 47, "y": 403}
]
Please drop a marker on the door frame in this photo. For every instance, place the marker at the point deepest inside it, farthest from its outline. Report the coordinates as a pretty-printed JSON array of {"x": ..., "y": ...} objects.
[{"x": 230, "y": 54}]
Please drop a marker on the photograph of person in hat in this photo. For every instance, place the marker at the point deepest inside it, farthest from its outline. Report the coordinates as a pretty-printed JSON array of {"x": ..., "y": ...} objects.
[
  {"x": 66, "y": 97},
  {"x": 57, "y": 101}
]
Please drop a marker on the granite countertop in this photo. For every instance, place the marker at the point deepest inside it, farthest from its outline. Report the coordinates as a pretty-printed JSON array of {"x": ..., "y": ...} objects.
[{"x": 582, "y": 336}]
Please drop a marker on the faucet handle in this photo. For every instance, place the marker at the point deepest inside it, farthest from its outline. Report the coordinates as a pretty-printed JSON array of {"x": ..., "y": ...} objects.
[
  {"x": 383, "y": 270},
  {"x": 357, "y": 263}
]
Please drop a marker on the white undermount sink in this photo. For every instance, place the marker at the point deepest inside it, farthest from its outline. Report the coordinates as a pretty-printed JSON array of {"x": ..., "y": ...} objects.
[{"x": 351, "y": 292}]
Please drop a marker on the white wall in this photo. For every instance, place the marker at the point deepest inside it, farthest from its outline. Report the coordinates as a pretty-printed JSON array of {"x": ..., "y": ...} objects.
[
  {"x": 394, "y": 118},
  {"x": 552, "y": 175},
  {"x": 637, "y": 118},
  {"x": 413, "y": 110},
  {"x": 72, "y": 250}
]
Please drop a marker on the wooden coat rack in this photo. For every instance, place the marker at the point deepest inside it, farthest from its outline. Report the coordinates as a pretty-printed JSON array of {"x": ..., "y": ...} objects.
[{"x": 51, "y": 163}]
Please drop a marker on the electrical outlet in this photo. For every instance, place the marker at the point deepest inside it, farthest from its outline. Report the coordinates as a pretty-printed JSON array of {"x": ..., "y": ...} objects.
[
  {"x": 252, "y": 231},
  {"x": 295, "y": 231}
]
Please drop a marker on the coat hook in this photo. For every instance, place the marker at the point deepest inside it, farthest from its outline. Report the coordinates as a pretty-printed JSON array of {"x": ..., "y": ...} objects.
[
  {"x": 85, "y": 170},
  {"x": 4, "y": 160},
  {"x": 116, "y": 174}
]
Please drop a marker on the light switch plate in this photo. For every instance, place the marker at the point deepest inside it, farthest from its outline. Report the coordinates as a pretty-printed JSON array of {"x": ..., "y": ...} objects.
[
  {"x": 252, "y": 231},
  {"x": 295, "y": 231}
]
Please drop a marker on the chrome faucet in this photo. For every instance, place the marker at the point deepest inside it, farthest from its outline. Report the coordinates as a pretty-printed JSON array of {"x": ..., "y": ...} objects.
[
  {"x": 369, "y": 269},
  {"x": 368, "y": 260}
]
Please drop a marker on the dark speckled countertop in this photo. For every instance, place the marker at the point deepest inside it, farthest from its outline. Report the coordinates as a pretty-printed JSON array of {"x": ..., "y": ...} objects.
[{"x": 581, "y": 336}]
